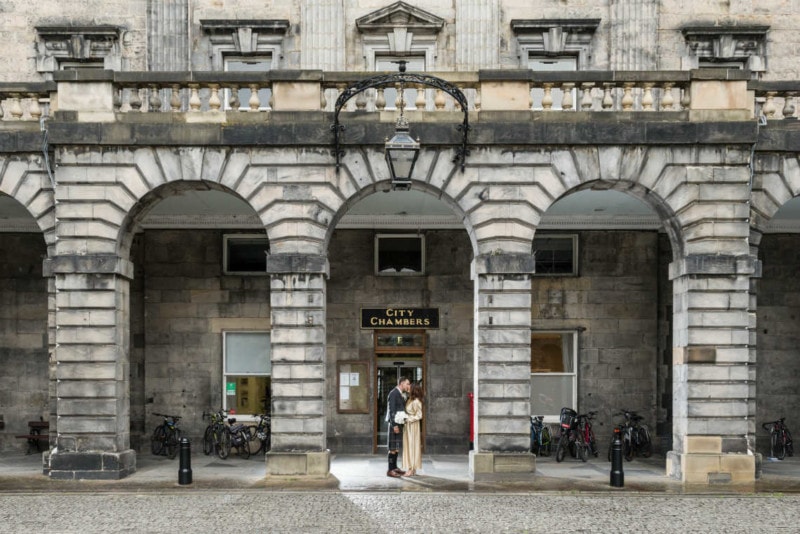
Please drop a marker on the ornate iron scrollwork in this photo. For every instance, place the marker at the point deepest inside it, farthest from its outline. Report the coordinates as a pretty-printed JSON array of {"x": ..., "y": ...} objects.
[{"x": 402, "y": 78}]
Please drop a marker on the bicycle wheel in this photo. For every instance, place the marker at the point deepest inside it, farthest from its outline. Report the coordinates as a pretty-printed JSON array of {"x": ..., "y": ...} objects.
[
  {"x": 157, "y": 440},
  {"x": 778, "y": 445},
  {"x": 627, "y": 447},
  {"x": 561, "y": 448},
  {"x": 223, "y": 443},
  {"x": 545, "y": 442},
  {"x": 208, "y": 440},
  {"x": 593, "y": 444},
  {"x": 789, "y": 446},
  {"x": 583, "y": 450},
  {"x": 173, "y": 440},
  {"x": 645, "y": 445},
  {"x": 243, "y": 438}
]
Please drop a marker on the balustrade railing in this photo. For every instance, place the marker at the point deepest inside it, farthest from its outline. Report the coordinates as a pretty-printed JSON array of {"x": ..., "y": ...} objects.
[
  {"x": 25, "y": 102},
  {"x": 775, "y": 100},
  {"x": 513, "y": 90}
]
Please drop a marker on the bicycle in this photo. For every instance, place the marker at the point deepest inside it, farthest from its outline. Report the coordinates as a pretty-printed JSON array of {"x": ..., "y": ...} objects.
[
  {"x": 540, "y": 436},
  {"x": 238, "y": 437},
  {"x": 166, "y": 436},
  {"x": 585, "y": 428},
  {"x": 262, "y": 432},
  {"x": 780, "y": 439},
  {"x": 570, "y": 437},
  {"x": 635, "y": 436},
  {"x": 216, "y": 437}
]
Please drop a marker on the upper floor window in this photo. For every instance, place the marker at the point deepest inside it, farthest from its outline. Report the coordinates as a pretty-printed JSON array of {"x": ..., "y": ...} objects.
[
  {"x": 245, "y": 254},
  {"x": 399, "y": 254},
  {"x": 733, "y": 47},
  {"x": 399, "y": 30},
  {"x": 556, "y": 255},
  {"x": 555, "y": 39},
  {"x": 78, "y": 47}
]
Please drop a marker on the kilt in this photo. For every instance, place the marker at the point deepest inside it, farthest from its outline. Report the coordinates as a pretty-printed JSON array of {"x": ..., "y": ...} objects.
[{"x": 395, "y": 441}]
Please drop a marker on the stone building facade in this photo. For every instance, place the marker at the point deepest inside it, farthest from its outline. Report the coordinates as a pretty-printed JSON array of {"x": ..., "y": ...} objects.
[{"x": 183, "y": 232}]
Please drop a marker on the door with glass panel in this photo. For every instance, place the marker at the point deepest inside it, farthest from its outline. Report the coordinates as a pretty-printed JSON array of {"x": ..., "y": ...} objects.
[{"x": 396, "y": 355}]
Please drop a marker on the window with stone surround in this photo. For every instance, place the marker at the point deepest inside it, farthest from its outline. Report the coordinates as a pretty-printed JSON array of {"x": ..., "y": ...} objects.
[
  {"x": 556, "y": 254},
  {"x": 731, "y": 47},
  {"x": 554, "y": 378},
  {"x": 72, "y": 47},
  {"x": 245, "y": 254},
  {"x": 247, "y": 372}
]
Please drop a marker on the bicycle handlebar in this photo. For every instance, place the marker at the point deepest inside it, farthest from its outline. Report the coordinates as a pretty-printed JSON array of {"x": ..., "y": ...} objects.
[{"x": 165, "y": 416}]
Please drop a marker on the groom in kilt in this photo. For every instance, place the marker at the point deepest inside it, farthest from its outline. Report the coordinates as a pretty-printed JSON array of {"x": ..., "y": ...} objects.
[{"x": 396, "y": 402}]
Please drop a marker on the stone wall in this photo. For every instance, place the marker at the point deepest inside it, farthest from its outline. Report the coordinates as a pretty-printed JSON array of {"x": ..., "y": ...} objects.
[
  {"x": 449, "y": 357},
  {"x": 777, "y": 336},
  {"x": 187, "y": 303},
  {"x": 614, "y": 305},
  {"x": 24, "y": 382}
]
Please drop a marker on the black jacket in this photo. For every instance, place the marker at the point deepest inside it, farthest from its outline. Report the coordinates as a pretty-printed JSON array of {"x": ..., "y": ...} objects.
[{"x": 395, "y": 403}]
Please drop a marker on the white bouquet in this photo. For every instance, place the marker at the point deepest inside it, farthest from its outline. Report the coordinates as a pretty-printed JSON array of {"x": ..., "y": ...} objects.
[{"x": 400, "y": 418}]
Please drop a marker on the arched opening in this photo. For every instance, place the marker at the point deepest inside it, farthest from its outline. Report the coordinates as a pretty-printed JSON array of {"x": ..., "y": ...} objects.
[
  {"x": 778, "y": 313},
  {"x": 601, "y": 317},
  {"x": 199, "y": 309},
  {"x": 24, "y": 355},
  {"x": 399, "y": 303}
]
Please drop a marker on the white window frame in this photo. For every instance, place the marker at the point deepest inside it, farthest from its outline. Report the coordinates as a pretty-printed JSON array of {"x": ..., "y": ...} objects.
[
  {"x": 575, "y": 252},
  {"x": 554, "y": 417},
  {"x": 420, "y": 237},
  {"x": 234, "y": 237},
  {"x": 225, "y": 373}
]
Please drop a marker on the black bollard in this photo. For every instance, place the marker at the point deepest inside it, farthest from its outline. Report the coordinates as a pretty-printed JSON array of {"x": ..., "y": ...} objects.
[
  {"x": 617, "y": 476},
  {"x": 185, "y": 469}
]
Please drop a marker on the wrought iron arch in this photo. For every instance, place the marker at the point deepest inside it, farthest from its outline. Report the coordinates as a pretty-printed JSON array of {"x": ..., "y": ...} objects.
[{"x": 402, "y": 77}]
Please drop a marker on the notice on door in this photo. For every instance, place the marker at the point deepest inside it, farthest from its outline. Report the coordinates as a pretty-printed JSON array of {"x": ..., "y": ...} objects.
[{"x": 385, "y": 318}]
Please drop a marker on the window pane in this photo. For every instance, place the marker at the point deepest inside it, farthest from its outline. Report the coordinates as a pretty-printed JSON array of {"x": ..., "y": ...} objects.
[
  {"x": 248, "y": 394},
  {"x": 399, "y": 340},
  {"x": 246, "y": 254},
  {"x": 554, "y": 255},
  {"x": 401, "y": 254},
  {"x": 553, "y": 352},
  {"x": 551, "y": 393},
  {"x": 247, "y": 353}
]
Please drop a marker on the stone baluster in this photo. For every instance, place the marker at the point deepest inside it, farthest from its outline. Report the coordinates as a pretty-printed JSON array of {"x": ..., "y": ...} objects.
[
  {"x": 547, "y": 98},
  {"x": 154, "y": 102},
  {"x": 647, "y": 97},
  {"x": 271, "y": 99},
  {"x": 770, "y": 110},
  {"x": 586, "y": 96},
  {"x": 135, "y": 99},
  {"x": 36, "y": 111},
  {"x": 16, "y": 108},
  {"x": 116, "y": 100},
  {"x": 194, "y": 97},
  {"x": 419, "y": 103},
  {"x": 438, "y": 100},
  {"x": 608, "y": 97},
  {"x": 361, "y": 101},
  {"x": 233, "y": 99},
  {"x": 214, "y": 102},
  {"x": 627, "y": 96},
  {"x": 531, "y": 88},
  {"x": 686, "y": 99},
  {"x": 1, "y": 107},
  {"x": 667, "y": 102},
  {"x": 175, "y": 98},
  {"x": 254, "y": 101},
  {"x": 788, "y": 105},
  {"x": 567, "y": 101},
  {"x": 339, "y": 90},
  {"x": 380, "y": 100},
  {"x": 478, "y": 98},
  {"x": 323, "y": 100}
]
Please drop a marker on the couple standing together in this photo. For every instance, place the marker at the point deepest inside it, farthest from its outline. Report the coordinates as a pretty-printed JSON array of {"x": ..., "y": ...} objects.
[{"x": 404, "y": 427}]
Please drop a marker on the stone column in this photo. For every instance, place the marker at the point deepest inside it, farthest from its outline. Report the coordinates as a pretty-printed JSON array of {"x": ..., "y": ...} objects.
[
  {"x": 713, "y": 370},
  {"x": 477, "y": 34},
  {"x": 322, "y": 39},
  {"x": 297, "y": 299},
  {"x": 634, "y": 34},
  {"x": 502, "y": 366},
  {"x": 168, "y": 35},
  {"x": 92, "y": 440}
]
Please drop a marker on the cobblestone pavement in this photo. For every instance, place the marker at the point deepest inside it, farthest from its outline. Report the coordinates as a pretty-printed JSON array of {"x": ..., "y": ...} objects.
[{"x": 362, "y": 512}]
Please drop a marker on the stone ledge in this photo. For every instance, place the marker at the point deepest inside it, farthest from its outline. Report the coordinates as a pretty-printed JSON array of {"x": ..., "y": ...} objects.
[
  {"x": 498, "y": 466},
  {"x": 93, "y": 465},
  {"x": 710, "y": 469},
  {"x": 302, "y": 464}
]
